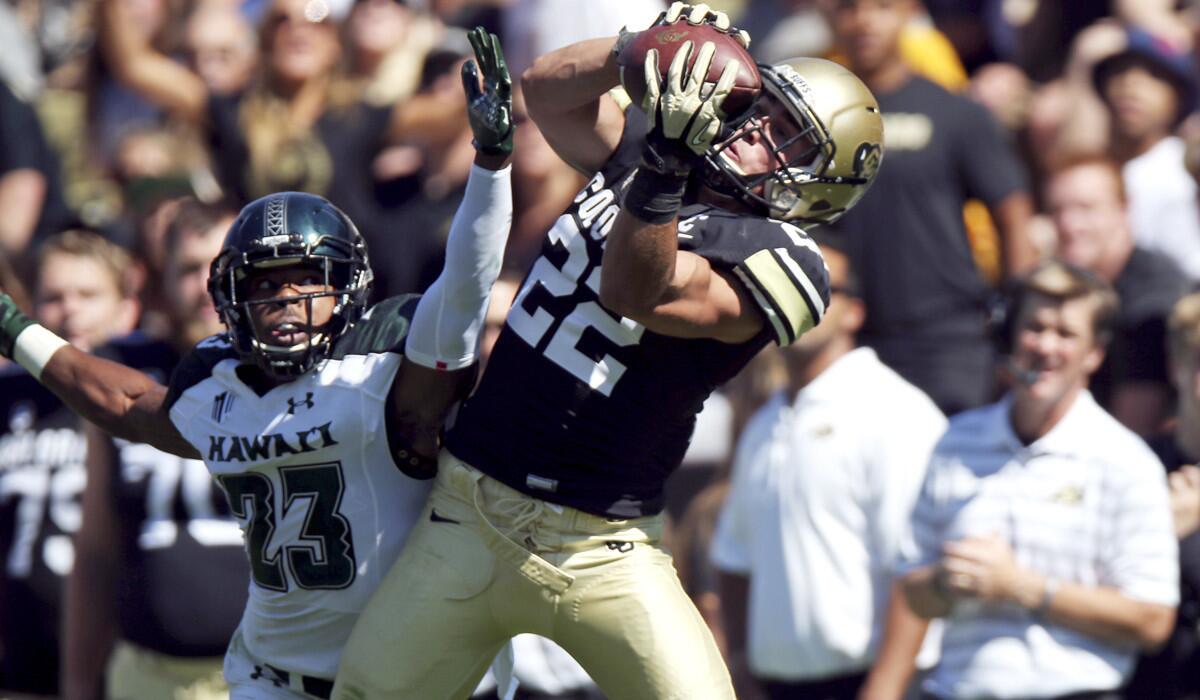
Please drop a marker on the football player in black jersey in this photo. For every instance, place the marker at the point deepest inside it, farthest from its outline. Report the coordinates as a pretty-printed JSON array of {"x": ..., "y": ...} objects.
[
  {"x": 159, "y": 581},
  {"x": 319, "y": 417},
  {"x": 80, "y": 292},
  {"x": 671, "y": 270}
]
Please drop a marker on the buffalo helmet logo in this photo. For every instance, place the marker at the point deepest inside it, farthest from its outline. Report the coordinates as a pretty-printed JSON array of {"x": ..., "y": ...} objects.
[{"x": 866, "y": 160}]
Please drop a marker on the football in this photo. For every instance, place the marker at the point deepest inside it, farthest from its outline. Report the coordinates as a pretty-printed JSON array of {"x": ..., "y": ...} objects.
[{"x": 668, "y": 39}]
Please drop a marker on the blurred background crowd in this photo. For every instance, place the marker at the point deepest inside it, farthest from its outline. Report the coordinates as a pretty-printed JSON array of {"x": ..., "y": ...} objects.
[{"x": 1016, "y": 131}]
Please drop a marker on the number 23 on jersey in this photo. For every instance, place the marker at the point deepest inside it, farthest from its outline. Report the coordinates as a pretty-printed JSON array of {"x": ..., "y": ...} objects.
[{"x": 308, "y": 542}]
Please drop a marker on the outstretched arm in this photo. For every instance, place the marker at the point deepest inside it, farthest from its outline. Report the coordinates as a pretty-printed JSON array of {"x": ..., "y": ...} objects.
[
  {"x": 120, "y": 400},
  {"x": 143, "y": 69},
  {"x": 449, "y": 318},
  {"x": 443, "y": 342},
  {"x": 566, "y": 93},
  {"x": 645, "y": 276}
]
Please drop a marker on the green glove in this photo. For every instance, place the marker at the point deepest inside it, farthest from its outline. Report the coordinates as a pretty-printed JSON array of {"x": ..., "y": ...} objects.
[
  {"x": 489, "y": 110},
  {"x": 12, "y": 322}
]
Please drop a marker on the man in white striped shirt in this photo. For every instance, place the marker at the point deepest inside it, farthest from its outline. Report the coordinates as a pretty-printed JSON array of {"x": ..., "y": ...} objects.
[{"x": 1043, "y": 530}]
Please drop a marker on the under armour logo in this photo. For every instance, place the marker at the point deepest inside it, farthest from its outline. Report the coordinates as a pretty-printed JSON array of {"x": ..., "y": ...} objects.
[
  {"x": 293, "y": 404},
  {"x": 222, "y": 405}
]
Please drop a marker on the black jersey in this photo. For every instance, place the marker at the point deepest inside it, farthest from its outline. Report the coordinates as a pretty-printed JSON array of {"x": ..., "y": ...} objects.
[
  {"x": 582, "y": 407},
  {"x": 181, "y": 574},
  {"x": 41, "y": 482}
]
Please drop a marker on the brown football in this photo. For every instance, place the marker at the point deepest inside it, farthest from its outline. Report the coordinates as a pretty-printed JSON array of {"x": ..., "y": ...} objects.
[{"x": 668, "y": 39}]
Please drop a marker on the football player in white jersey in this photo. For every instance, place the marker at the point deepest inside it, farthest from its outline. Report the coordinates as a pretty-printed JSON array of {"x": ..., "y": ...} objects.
[{"x": 319, "y": 418}]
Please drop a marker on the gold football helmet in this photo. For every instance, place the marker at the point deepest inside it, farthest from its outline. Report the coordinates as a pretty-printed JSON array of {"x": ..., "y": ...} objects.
[{"x": 828, "y": 165}]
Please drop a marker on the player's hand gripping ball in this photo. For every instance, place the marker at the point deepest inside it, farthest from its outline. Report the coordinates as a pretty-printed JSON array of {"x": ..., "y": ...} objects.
[{"x": 686, "y": 29}]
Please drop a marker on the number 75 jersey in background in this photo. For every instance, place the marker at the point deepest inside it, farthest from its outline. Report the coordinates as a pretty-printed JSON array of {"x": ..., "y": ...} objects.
[
  {"x": 583, "y": 407},
  {"x": 178, "y": 566},
  {"x": 309, "y": 476}
]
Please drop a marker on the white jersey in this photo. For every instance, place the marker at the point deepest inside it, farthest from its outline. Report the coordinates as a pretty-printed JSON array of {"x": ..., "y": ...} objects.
[
  {"x": 1086, "y": 503},
  {"x": 310, "y": 477}
]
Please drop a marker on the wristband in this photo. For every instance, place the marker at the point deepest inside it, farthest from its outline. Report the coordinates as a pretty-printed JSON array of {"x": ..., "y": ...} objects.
[
  {"x": 655, "y": 197},
  {"x": 12, "y": 323},
  {"x": 34, "y": 348},
  {"x": 662, "y": 155}
]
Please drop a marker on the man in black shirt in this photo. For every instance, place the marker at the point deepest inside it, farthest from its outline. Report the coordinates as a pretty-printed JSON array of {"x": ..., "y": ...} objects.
[
  {"x": 926, "y": 301},
  {"x": 546, "y": 514},
  {"x": 159, "y": 580},
  {"x": 1086, "y": 198}
]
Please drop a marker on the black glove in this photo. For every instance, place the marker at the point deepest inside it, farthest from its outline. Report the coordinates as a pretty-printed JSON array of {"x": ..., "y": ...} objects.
[{"x": 489, "y": 110}]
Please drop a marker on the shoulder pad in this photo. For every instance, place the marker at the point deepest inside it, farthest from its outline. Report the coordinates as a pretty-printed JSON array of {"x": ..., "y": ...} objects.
[
  {"x": 777, "y": 262},
  {"x": 383, "y": 328},
  {"x": 197, "y": 365}
]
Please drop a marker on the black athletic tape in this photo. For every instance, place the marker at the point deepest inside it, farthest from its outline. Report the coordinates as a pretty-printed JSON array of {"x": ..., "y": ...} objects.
[
  {"x": 668, "y": 155},
  {"x": 655, "y": 197}
]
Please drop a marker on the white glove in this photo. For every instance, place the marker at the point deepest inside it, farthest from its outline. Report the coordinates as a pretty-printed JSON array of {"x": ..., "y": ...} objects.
[
  {"x": 684, "y": 106},
  {"x": 703, "y": 14}
]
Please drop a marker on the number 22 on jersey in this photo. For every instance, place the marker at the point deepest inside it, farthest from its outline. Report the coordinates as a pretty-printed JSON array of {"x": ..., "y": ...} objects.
[{"x": 578, "y": 305}]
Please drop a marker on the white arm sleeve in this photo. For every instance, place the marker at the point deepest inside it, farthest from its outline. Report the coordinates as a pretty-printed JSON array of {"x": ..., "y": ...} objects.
[{"x": 449, "y": 318}]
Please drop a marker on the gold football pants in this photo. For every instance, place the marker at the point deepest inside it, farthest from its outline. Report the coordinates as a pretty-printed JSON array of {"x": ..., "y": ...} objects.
[
  {"x": 135, "y": 673},
  {"x": 486, "y": 563}
]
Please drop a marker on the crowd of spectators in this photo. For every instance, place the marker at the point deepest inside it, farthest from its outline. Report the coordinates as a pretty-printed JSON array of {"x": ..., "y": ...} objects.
[{"x": 884, "y": 471}]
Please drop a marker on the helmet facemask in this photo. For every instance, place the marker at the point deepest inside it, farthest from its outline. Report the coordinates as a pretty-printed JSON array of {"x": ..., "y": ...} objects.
[
  {"x": 793, "y": 163},
  {"x": 801, "y": 184},
  {"x": 345, "y": 275}
]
